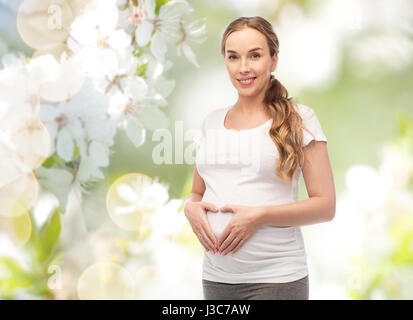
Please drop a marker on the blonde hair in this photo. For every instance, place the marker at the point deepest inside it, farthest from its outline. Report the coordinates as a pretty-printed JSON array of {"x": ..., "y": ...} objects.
[{"x": 286, "y": 128}]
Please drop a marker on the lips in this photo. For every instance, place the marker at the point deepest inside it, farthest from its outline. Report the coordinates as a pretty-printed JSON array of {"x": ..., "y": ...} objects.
[{"x": 247, "y": 81}]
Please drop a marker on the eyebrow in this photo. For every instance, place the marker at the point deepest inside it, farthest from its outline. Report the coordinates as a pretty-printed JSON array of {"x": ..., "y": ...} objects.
[{"x": 248, "y": 50}]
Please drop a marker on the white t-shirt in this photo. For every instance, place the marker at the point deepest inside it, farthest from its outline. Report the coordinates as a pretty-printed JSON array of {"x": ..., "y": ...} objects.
[{"x": 239, "y": 168}]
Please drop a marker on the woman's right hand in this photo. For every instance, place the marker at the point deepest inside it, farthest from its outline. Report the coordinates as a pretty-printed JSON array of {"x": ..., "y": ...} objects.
[{"x": 195, "y": 212}]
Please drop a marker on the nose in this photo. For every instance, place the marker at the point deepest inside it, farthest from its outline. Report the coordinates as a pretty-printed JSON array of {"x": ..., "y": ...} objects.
[{"x": 244, "y": 66}]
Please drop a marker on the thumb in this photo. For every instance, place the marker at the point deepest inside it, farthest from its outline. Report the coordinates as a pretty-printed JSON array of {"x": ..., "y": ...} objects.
[
  {"x": 210, "y": 207},
  {"x": 227, "y": 208}
]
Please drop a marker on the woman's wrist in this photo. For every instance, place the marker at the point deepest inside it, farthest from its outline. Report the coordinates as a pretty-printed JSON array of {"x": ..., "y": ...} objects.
[
  {"x": 260, "y": 213},
  {"x": 186, "y": 203},
  {"x": 193, "y": 197}
]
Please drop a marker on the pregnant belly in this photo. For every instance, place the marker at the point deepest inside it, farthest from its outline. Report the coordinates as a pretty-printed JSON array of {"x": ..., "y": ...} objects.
[
  {"x": 218, "y": 221},
  {"x": 266, "y": 247}
]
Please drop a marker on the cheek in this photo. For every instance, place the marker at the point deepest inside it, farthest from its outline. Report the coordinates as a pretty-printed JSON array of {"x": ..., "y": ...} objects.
[
  {"x": 231, "y": 69},
  {"x": 263, "y": 68}
]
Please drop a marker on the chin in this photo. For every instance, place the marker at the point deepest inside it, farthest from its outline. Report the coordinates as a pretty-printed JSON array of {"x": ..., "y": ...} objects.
[{"x": 247, "y": 93}]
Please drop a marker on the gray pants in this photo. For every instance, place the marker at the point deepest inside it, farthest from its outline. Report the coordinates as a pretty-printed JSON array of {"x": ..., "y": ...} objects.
[{"x": 295, "y": 290}]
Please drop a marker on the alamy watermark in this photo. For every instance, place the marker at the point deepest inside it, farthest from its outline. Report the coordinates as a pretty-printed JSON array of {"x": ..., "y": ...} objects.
[
  {"x": 55, "y": 20},
  {"x": 214, "y": 146}
]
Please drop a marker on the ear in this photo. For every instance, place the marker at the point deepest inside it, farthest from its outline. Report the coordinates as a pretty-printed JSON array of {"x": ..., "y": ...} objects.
[{"x": 274, "y": 62}]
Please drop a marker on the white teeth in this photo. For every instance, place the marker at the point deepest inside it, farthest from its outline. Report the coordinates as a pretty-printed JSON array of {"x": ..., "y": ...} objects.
[{"x": 246, "y": 81}]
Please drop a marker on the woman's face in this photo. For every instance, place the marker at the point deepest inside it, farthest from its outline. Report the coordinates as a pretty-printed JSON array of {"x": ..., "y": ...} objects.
[{"x": 247, "y": 56}]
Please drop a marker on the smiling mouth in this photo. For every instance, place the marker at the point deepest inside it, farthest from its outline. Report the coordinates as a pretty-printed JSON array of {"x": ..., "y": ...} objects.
[{"x": 247, "y": 82}]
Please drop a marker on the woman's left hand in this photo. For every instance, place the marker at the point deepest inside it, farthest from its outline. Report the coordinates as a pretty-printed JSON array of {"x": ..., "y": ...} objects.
[{"x": 240, "y": 228}]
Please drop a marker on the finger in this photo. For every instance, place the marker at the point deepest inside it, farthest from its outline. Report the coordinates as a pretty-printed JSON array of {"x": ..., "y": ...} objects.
[
  {"x": 205, "y": 245},
  {"x": 201, "y": 240},
  {"x": 224, "y": 235},
  {"x": 211, "y": 236},
  {"x": 239, "y": 245},
  {"x": 210, "y": 207},
  {"x": 232, "y": 245},
  {"x": 227, "y": 242},
  {"x": 209, "y": 244},
  {"x": 226, "y": 208}
]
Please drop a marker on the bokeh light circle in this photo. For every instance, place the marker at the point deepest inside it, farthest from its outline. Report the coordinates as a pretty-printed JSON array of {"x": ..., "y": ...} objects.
[
  {"x": 131, "y": 200},
  {"x": 18, "y": 228},
  {"x": 44, "y": 24},
  {"x": 33, "y": 142},
  {"x": 19, "y": 195},
  {"x": 56, "y": 52},
  {"x": 106, "y": 281}
]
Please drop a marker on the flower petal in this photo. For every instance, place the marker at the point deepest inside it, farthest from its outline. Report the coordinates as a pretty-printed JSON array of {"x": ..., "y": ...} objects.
[
  {"x": 99, "y": 154},
  {"x": 136, "y": 88},
  {"x": 119, "y": 39},
  {"x": 144, "y": 33},
  {"x": 150, "y": 7},
  {"x": 158, "y": 46},
  {"x": 135, "y": 132},
  {"x": 127, "y": 193},
  {"x": 174, "y": 10},
  {"x": 65, "y": 145},
  {"x": 125, "y": 210},
  {"x": 189, "y": 54}
]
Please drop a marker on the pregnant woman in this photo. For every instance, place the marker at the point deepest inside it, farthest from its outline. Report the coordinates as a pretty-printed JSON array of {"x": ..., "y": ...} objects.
[{"x": 243, "y": 206}]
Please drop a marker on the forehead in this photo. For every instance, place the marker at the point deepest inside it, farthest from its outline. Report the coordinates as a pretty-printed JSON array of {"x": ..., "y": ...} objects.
[{"x": 245, "y": 39}]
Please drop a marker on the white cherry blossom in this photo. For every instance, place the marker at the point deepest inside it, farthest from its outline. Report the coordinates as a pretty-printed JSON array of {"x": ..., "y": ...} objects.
[
  {"x": 19, "y": 95},
  {"x": 167, "y": 26},
  {"x": 84, "y": 122},
  {"x": 97, "y": 39},
  {"x": 193, "y": 32}
]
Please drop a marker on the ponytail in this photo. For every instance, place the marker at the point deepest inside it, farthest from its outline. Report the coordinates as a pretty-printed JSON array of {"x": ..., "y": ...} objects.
[{"x": 286, "y": 129}]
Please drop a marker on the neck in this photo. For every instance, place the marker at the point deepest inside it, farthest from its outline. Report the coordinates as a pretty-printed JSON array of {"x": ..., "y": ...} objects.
[{"x": 249, "y": 105}]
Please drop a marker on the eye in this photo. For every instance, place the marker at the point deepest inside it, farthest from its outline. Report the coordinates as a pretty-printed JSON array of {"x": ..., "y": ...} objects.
[
  {"x": 257, "y": 55},
  {"x": 231, "y": 57}
]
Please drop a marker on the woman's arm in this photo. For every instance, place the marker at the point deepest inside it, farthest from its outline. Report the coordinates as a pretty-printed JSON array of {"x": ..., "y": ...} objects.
[
  {"x": 321, "y": 205},
  {"x": 198, "y": 188}
]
